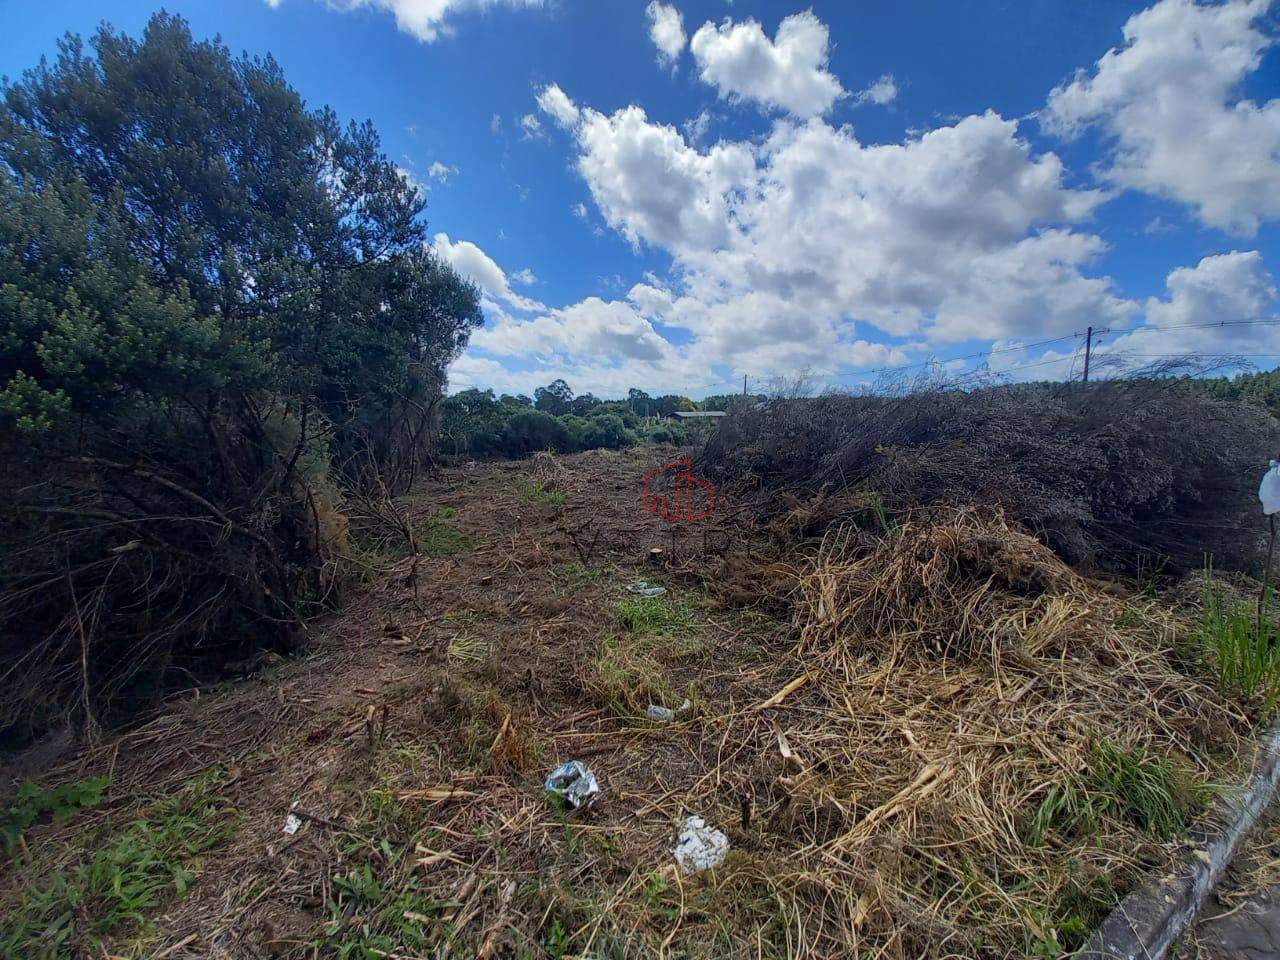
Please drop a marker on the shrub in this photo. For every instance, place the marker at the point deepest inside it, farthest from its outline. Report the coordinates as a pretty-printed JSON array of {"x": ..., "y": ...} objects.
[
  {"x": 607, "y": 431},
  {"x": 531, "y": 431},
  {"x": 216, "y": 312}
]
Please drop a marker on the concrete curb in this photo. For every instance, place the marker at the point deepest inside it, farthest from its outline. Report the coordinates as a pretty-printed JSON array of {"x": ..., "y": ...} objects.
[{"x": 1148, "y": 921}]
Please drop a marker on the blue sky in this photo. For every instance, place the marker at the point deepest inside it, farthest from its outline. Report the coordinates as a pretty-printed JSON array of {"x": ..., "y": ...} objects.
[{"x": 675, "y": 195}]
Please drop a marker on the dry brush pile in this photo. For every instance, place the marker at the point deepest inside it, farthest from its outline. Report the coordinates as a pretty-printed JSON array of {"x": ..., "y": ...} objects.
[{"x": 1120, "y": 475}]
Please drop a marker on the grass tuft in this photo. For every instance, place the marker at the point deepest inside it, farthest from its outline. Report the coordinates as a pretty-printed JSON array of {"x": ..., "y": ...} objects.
[
  {"x": 655, "y": 615},
  {"x": 463, "y": 615},
  {"x": 535, "y": 491},
  {"x": 1135, "y": 785},
  {"x": 439, "y": 539},
  {"x": 626, "y": 675},
  {"x": 1244, "y": 658},
  {"x": 465, "y": 646},
  {"x": 70, "y": 913}
]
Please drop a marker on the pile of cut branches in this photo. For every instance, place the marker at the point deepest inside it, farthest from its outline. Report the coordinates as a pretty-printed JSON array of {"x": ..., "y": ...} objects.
[{"x": 1125, "y": 475}]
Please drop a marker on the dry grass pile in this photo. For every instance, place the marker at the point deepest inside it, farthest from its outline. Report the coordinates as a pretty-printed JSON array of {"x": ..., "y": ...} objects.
[{"x": 987, "y": 750}]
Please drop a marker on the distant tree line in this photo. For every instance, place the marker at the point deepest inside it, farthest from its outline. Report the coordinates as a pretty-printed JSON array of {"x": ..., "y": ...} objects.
[
  {"x": 1262, "y": 387},
  {"x": 478, "y": 423}
]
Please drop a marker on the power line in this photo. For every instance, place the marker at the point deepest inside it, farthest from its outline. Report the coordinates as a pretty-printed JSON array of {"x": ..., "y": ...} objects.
[
  {"x": 1017, "y": 348},
  {"x": 1123, "y": 331},
  {"x": 1075, "y": 336}
]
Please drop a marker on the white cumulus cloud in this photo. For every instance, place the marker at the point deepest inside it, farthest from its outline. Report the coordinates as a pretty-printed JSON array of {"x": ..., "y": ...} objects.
[
  {"x": 1170, "y": 101},
  {"x": 788, "y": 72},
  {"x": 592, "y": 327},
  {"x": 427, "y": 20},
  {"x": 652, "y": 186},
  {"x": 883, "y": 91},
  {"x": 556, "y": 104},
  {"x": 961, "y": 233},
  {"x": 532, "y": 127},
  {"x": 441, "y": 171},
  {"x": 666, "y": 30},
  {"x": 1228, "y": 289},
  {"x": 474, "y": 264}
]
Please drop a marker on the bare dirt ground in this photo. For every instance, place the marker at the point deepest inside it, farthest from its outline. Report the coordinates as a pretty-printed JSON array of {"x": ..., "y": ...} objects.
[
  {"x": 414, "y": 736},
  {"x": 878, "y": 726}
]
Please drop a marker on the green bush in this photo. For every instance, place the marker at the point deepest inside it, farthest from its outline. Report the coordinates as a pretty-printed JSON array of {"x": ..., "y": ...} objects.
[
  {"x": 217, "y": 309},
  {"x": 532, "y": 430},
  {"x": 478, "y": 423}
]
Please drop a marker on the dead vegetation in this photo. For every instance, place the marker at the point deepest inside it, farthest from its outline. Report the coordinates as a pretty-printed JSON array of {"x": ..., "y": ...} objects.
[
  {"x": 1121, "y": 475},
  {"x": 962, "y": 682},
  {"x": 927, "y": 736}
]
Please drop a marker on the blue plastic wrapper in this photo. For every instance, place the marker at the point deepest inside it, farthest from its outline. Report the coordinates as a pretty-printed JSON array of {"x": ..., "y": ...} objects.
[{"x": 573, "y": 784}]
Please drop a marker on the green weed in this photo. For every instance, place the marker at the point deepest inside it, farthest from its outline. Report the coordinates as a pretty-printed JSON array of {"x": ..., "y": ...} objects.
[
  {"x": 578, "y": 573},
  {"x": 59, "y": 802},
  {"x": 890, "y": 528},
  {"x": 534, "y": 491},
  {"x": 1245, "y": 660},
  {"x": 1064, "y": 928},
  {"x": 655, "y": 615},
  {"x": 1067, "y": 806},
  {"x": 1150, "y": 567},
  {"x": 70, "y": 913},
  {"x": 558, "y": 941},
  {"x": 392, "y": 920}
]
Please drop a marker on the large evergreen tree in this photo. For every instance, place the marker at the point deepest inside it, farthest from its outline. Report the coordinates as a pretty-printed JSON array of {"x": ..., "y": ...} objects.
[{"x": 217, "y": 307}]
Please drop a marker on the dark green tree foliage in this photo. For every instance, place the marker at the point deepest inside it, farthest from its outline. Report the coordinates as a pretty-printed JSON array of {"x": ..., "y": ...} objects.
[
  {"x": 477, "y": 424},
  {"x": 730, "y": 401},
  {"x": 216, "y": 307},
  {"x": 556, "y": 398},
  {"x": 1262, "y": 387}
]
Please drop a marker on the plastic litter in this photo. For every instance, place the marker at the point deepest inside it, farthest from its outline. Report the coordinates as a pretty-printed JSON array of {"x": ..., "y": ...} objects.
[
  {"x": 291, "y": 824},
  {"x": 645, "y": 589},
  {"x": 573, "y": 784},
  {"x": 699, "y": 847},
  {"x": 666, "y": 714},
  {"x": 1269, "y": 492}
]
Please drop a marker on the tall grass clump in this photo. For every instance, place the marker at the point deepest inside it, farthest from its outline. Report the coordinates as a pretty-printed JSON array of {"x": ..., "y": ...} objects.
[
  {"x": 1243, "y": 649},
  {"x": 1133, "y": 784}
]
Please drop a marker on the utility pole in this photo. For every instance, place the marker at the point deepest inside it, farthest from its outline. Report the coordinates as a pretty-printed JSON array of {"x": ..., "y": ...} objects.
[
  {"x": 744, "y": 384},
  {"x": 1088, "y": 346}
]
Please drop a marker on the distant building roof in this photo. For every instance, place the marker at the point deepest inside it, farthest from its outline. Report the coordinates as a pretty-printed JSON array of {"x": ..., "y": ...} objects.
[{"x": 696, "y": 414}]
